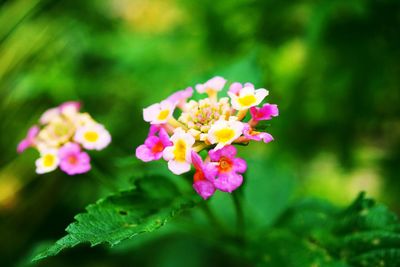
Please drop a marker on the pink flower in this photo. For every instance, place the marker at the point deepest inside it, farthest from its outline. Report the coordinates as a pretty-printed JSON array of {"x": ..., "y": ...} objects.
[
  {"x": 213, "y": 85},
  {"x": 179, "y": 98},
  {"x": 265, "y": 113},
  {"x": 29, "y": 140},
  {"x": 69, "y": 106},
  {"x": 154, "y": 129},
  {"x": 153, "y": 147},
  {"x": 203, "y": 177},
  {"x": 73, "y": 160},
  {"x": 49, "y": 115},
  {"x": 236, "y": 87},
  {"x": 228, "y": 168},
  {"x": 250, "y": 134}
]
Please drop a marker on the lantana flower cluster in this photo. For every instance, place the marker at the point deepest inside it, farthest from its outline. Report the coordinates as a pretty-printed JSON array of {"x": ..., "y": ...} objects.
[
  {"x": 61, "y": 136},
  {"x": 181, "y": 129}
]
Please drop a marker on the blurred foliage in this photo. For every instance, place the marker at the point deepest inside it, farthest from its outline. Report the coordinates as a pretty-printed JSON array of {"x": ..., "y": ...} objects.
[
  {"x": 332, "y": 66},
  {"x": 316, "y": 234}
]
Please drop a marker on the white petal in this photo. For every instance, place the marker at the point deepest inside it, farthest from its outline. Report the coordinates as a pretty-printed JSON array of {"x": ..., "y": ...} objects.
[
  {"x": 219, "y": 146},
  {"x": 168, "y": 153},
  {"x": 216, "y": 83},
  {"x": 189, "y": 139},
  {"x": 150, "y": 113},
  {"x": 234, "y": 101},
  {"x": 49, "y": 115},
  {"x": 178, "y": 167},
  {"x": 41, "y": 168},
  {"x": 247, "y": 90},
  {"x": 200, "y": 88},
  {"x": 260, "y": 94}
]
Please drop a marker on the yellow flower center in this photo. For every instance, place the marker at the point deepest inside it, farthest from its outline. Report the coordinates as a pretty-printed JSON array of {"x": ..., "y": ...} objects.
[
  {"x": 163, "y": 114},
  {"x": 48, "y": 160},
  {"x": 91, "y": 136},
  {"x": 180, "y": 150},
  {"x": 224, "y": 135},
  {"x": 247, "y": 100},
  {"x": 61, "y": 129}
]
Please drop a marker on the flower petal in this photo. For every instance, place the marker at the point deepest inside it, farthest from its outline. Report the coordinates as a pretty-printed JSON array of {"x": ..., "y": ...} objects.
[
  {"x": 151, "y": 141},
  {"x": 68, "y": 149},
  {"x": 239, "y": 165},
  {"x": 228, "y": 182},
  {"x": 144, "y": 153},
  {"x": 196, "y": 160},
  {"x": 204, "y": 188},
  {"x": 235, "y": 88},
  {"x": 178, "y": 167}
]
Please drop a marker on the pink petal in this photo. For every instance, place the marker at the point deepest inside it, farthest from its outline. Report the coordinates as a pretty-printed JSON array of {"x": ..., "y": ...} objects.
[
  {"x": 266, "y": 137},
  {"x": 254, "y": 113},
  {"x": 154, "y": 129},
  {"x": 265, "y": 113},
  {"x": 228, "y": 182},
  {"x": 29, "y": 140},
  {"x": 204, "y": 188},
  {"x": 32, "y": 132},
  {"x": 197, "y": 161},
  {"x": 239, "y": 165},
  {"x": 70, "y": 104},
  {"x": 81, "y": 165},
  {"x": 23, "y": 145},
  {"x": 181, "y": 95},
  {"x": 228, "y": 151},
  {"x": 68, "y": 149},
  {"x": 210, "y": 171},
  {"x": 235, "y": 88},
  {"x": 144, "y": 153},
  {"x": 164, "y": 137},
  {"x": 216, "y": 83},
  {"x": 151, "y": 141}
]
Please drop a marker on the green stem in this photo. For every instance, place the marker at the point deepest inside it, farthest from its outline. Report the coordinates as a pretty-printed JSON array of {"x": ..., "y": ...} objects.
[
  {"x": 240, "y": 224},
  {"x": 212, "y": 217},
  {"x": 205, "y": 207}
]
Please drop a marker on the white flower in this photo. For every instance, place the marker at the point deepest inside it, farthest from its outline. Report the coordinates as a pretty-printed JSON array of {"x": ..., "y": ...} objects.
[
  {"x": 49, "y": 115},
  {"x": 224, "y": 132},
  {"x": 179, "y": 154},
  {"x": 70, "y": 110},
  {"x": 57, "y": 132},
  {"x": 93, "y": 136},
  {"x": 48, "y": 161},
  {"x": 83, "y": 119},
  {"x": 158, "y": 113},
  {"x": 247, "y": 97},
  {"x": 213, "y": 85}
]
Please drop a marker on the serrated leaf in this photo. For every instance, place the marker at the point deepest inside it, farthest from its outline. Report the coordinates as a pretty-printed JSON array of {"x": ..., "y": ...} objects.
[{"x": 147, "y": 207}]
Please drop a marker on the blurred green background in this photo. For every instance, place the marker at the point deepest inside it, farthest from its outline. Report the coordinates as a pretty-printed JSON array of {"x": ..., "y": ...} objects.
[{"x": 333, "y": 67}]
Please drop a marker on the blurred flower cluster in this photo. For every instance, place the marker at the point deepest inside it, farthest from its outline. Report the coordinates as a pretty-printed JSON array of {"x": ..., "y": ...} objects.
[
  {"x": 62, "y": 134},
  {"x": 211, "y": 125}
]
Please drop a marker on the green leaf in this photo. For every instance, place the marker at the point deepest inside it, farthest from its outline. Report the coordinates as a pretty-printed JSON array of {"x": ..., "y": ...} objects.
[
  {"x": 147, "y": 207},
  {"x": 315, "y": 233}
]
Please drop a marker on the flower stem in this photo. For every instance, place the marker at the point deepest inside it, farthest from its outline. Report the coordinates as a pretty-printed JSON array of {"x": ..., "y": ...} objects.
[
  {"x": 240, "y": 224},
  {"x": 212, "y": 217}
]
